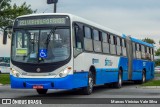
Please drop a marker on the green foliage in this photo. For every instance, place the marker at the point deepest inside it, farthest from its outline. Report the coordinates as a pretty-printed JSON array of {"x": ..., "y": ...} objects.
[
  {"x": 152, "y": 83},
  {"x": 157, "y": 52},
  {"x": 4, "y": 79},
  {"x": 10, "y": 12},
  {"x": 148, "y": 40},
  {"x": 157, "y": 62}
]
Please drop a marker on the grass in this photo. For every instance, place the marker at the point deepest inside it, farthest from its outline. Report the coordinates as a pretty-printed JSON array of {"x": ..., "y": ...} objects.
[
  {"x": 157, "y": 75},
  {"x": 4, "y": 79},
  {"x": 152, "y": 83}
]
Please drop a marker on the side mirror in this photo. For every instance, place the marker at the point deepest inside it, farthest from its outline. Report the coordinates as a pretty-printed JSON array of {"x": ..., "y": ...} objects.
[{"x": 7, "y": 32}]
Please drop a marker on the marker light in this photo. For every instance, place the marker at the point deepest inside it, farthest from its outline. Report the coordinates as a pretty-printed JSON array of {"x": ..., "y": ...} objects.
[
  {"x": 15, "y": 73},
  {"x": 65, "y": 72}
]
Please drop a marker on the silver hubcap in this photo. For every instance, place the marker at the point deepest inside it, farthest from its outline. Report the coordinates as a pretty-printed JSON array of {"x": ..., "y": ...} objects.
[
  {"x": 90, "y": 83},
  {"x": 143, "y": 77},
  {"x": 120, "y": 80}
]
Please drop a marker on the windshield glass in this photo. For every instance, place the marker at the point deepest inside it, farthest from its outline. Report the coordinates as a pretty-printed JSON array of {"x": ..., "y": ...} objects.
[{"x": 41, "y": 45}]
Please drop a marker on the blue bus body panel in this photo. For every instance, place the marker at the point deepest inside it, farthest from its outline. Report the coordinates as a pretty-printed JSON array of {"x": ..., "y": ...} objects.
[
  {"x": 80, "y": 79},
  {"x": 106, "y": 76},
  {"x": 123, "y": 62},
  {"x": 69, "y": 82},
  {"x": 139, "y": 65}
]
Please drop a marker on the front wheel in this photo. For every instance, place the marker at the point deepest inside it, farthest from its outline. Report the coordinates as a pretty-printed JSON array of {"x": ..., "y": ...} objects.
[
  {"x": 89, "y": 89},
  {"x": 42, "y": 91}
]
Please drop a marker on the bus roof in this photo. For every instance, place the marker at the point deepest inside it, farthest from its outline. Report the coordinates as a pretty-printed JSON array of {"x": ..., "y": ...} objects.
[
  {"x": 79, "y": 19},
  {"x": 141, "y": 42}
]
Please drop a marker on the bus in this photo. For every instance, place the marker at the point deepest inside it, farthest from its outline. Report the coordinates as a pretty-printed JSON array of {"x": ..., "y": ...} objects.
[{"x": 64, "y": 51}]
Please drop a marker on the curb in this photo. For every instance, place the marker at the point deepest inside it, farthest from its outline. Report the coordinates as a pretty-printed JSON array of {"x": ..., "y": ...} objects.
[{"x": 149, "y": 87}]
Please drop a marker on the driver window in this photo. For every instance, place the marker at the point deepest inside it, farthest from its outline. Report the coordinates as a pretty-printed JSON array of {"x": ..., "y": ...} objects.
[{"x": 78, "y": 35}]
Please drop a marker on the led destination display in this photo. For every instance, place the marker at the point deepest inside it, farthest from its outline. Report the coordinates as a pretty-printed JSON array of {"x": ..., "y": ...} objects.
[{"x": 45, "y": 21}]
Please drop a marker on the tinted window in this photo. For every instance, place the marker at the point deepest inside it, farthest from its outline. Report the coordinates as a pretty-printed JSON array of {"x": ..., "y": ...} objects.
[
  {"x": 87, "y": 32},
  {"x": 123, "y": 43},
  {"x": 112, "y": 39},
  {"x": 118, "y": 41},
  {"x": 104, "y": 37},
  {"x": 143, "y": 48},
  {"x": 96, "y": 35}
]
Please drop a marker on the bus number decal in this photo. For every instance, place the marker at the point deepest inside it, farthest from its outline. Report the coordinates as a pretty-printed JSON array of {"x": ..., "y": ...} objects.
[
  {"x": 108, "y": 62},
  {"x": 95, "y": 61}
]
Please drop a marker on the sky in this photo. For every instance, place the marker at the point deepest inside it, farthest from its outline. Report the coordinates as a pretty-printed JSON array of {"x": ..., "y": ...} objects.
[{"x": 138, "y": 18}]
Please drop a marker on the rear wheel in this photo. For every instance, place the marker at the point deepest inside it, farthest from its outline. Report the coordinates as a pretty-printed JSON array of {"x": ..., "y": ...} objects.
[
  {"x": 143, "y": 77},
  {"x": 89, "y": 89},
  {"x": 42, "y": 91},
  {"x": 119, "y": 83},
  {"x": 143, "y": 80}
]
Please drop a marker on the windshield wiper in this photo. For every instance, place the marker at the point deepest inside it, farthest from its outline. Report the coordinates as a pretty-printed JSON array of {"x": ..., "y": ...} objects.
[{"x": 49, "y": 37}]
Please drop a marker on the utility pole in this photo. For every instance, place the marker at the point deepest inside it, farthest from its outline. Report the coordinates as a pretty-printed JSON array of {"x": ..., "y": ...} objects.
[{"x": 55, "y": 4}]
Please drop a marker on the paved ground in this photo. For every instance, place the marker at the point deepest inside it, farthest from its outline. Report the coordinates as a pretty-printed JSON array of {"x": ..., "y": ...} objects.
[{"x": 129, "y": 90}]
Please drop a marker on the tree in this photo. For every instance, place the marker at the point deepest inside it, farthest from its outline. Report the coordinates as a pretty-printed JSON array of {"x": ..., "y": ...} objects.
[
  {"x": 9, "y": 12},
  {"x": 157, "y": 52},
  {"x": 148, "y": 40}
]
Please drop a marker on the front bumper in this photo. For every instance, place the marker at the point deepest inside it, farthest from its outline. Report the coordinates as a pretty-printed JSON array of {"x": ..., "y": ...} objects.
[
  {"x": 69, "y": 82},
  {"x": 47, "y": 83}
]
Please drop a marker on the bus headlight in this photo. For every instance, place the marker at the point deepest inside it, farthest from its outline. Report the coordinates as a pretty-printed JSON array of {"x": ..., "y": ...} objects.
[
  {"x": 15, "y": 73},
  {"x": 65, "y": 72}
]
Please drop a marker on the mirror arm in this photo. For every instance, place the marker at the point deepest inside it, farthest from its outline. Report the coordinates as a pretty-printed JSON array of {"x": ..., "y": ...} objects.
[{"x": 5, "y": 34}]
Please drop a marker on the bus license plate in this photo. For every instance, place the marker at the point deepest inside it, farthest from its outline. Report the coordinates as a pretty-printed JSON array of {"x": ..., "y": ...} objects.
[{"x": 37, "y": 87}]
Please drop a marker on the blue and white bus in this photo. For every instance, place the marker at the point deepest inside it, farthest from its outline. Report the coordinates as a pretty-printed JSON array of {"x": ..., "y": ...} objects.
[{"x": 63, "y": 51}]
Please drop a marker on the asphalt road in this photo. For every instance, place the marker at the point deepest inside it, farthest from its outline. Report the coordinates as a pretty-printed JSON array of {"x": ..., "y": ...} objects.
[{"x": 129, "y": 90}]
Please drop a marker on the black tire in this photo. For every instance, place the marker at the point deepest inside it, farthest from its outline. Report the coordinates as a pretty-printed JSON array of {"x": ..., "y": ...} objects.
[
  {"x": 89, "y": 89},
  {"x": 119, "y": 83},
  {"x": 42, "y": 91},
  {"x": 143, "y": 80},
  {"x": 143, "y": 77}
]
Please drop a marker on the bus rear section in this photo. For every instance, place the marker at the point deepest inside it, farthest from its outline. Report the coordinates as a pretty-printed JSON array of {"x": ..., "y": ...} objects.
[{"x": 140, "y": 60}]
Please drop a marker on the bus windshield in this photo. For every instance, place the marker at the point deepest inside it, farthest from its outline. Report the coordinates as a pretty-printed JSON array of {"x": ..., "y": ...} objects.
[{"x": 41, "y": 45}]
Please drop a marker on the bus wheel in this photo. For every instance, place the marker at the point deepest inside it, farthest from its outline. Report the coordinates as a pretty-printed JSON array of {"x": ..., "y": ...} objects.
[
  {"x": 42, "y": 91},
  {"x": 89, "y": 89},
  {"x": 119, "y": 83},
  {"x": 143, "y": 77}
]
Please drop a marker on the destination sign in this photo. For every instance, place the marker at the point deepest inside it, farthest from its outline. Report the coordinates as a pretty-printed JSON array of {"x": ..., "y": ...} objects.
[{"x": 42, "y": 21}]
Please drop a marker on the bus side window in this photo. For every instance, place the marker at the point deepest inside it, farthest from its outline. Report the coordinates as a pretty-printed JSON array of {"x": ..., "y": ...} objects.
[
  {"x": 134, "y": 50},
  {"x": 152, "y": 54},
  {"x": 88, "y": 44},
  {"x": 87, "y": 32},
  {"x": 124, "y": 47},
  {"x": 78, "y": 37},
  {"x": 147, "y": 53},
  {"x": 112, "y": 44},
  {"x": 119, "y": 48},
  {"x": 105, "y": 42},
  {"x": 138, "y": 53},
  {"x": 96, "y": 41},
  {"x": 143, "y": 52}
]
